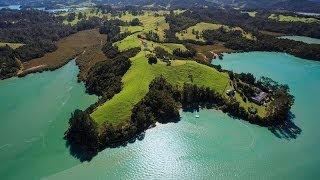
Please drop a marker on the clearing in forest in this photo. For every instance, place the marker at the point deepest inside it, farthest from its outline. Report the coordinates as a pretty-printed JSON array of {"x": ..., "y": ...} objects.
[{"x": 191, "y": 32}]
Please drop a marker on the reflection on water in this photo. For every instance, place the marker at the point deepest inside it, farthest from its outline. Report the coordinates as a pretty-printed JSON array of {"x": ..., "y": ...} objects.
[{"x": 213, "y": 146}]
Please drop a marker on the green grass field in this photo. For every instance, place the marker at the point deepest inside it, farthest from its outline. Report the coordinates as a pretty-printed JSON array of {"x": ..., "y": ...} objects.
[
  {"x": 292, "y": 18},
  {"x": 187, "y": 34},
  {"x": 129, "y": 42},
  {"x": 151, "y": 20},
  {"x": 12, "y": 45},
  {"x": 250, "y": 13},
  {"x": 90, "y": 12},
  {"x": 132, "y": 41},
  {"x": 131, "y": 29},
  {"x": 136, "y": 84}
]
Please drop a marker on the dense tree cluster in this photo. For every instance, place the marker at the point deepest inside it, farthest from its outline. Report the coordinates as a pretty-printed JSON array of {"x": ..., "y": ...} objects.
[
  {"x": 90, "y": 23},
  {"x": 8, "y": 63},
  {"x": 234, "y": 40},
  {"x": 161, "y": 53},
  {"x": 110, "y": 51},
  {"x": 189, "y": 53},
  {"x": 152, "y": 36},
  {"x": 38, "y": 30},
  {"x": 112, "y": 29},
  {"x": 178, "y": 23},
  {"x": 135, "y": 22},
  {"x": 71, "y": 17},
  {"x": 247, "y": 78},
  {"x": 160, "y": 104},
  {"x": 82, "y": 132},
  {"x": 34, "y": 50},
  {"x": 152, "y": 60},
  {"x": 194, "y": 96},
  {"x": 104, "y": 79}
]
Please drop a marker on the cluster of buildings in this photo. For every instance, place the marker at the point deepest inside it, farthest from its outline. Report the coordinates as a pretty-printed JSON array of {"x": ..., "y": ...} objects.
[{"x": 258, "y": 99}]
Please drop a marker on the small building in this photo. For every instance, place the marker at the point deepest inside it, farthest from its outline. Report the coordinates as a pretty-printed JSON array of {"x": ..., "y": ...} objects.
[
  {"x": 231, "y": 92},
  {"x": 165, "y": 59},
  {"x": 259, "y": 99}
]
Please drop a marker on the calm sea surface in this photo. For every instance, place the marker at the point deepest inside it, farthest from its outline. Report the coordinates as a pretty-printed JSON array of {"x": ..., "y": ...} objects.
[
  {"x": 35, "y": 110},
  {"x": 305, "y": 39}
]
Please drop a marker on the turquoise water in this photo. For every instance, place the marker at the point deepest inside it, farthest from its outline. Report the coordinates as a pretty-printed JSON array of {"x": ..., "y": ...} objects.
[
  {"x": 18, "y": 7},
  {"x": 34, "y": 114},
  {"x": 13, "y": 7},
  {"x": 213, "y": 146},
  {"x": 305, "y": 39}
]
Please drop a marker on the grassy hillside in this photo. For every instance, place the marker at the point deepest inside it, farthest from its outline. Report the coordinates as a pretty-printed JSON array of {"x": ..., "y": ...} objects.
[
  {"x": 133, "y": 41},
  {"x": 292, "y": 18},
  {"x": 12, "y": 45},
  {"x": 151, "y": 21},
  {"x": 136, "y": 83},
  {"x": 250, "y": 13},
  {"x": 131, "y": 29},
  {"x": 91, "y": 12},
  {"x": 187, "y": 33}
]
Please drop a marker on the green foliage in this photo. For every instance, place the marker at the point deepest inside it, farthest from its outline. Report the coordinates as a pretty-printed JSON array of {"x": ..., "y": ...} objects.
[
  {"x": 158, "y": 105},
  {"x": 104, "y": 79},
  {"x": 152, "y": 60},
  {"x": 194, "y": 96},
  {"x": 71, "y": 16},
  {"x": 38, "y": 30},
  {"x": 190, "y": 53},
  {"x": 8, "y": 64},
  {"x": 135, "y": 22},
  {"x": 234, "y": 40},
  {"x": 110, "y": 51},
  {"x": 82, "y": 131},
  {"x": 279, "y": 108}
]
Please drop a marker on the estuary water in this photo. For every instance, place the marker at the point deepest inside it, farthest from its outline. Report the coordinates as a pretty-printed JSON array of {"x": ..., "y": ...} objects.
[
  {"x": 34, "y": 112},
  {"x": 304, "y": 39},
  {"x": 213, "y": 146}
]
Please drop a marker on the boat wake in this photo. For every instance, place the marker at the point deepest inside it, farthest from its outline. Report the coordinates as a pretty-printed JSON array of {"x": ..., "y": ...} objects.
[
  {"x": 4, "y": 146},
  {"x": 253, "y": 139}
]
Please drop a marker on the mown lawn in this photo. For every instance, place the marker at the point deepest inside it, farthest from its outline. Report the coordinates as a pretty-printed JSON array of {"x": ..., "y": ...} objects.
[
  {"x": 136, "y": 84},
  {"x": 12, "y": 45},
  {"x": 292, "y": 18},
  {"x": 187, "y": 33}
]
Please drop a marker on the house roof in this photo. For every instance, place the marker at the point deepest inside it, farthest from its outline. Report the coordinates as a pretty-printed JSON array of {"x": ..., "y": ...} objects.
[{"x": 260, "y": 97}]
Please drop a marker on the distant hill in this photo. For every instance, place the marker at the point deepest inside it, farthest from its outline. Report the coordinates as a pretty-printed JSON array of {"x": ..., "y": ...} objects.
[{"x": 290, "y": 5}]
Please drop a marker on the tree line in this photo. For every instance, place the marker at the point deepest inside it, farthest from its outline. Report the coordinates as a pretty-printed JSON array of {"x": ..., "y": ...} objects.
[{"x": 234, "y": 40}]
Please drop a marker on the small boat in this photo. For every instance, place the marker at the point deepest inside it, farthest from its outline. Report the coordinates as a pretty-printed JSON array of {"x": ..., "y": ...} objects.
[{"x": 197, "y": 115}]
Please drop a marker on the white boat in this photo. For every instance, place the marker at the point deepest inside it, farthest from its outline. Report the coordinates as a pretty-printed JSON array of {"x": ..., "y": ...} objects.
[{"x": 197, "y": 115}]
